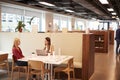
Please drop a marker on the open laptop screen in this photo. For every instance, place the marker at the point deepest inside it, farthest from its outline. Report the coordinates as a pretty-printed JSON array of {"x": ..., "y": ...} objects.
[{"x": 41, "y": 52}]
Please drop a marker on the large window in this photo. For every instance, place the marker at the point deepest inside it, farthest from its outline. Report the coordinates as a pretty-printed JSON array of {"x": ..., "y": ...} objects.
[
  {"x": 94, "y": 25},
  {"x": 103, "y": 26},
  {"x": 79, "y": 24},
  {"x": 11, "y": 16},
  {"x": 113, "y": 25},
  {"x": 62, "y": 21},
  {"x": 9, "y": 21}
]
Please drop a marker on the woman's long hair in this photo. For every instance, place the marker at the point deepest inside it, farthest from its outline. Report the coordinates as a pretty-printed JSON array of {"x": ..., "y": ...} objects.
[
  {"x": 49, "y": 43},
  {"x": 15, "y": 42}
]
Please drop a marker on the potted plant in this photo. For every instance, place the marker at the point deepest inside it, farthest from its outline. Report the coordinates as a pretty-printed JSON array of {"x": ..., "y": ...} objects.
[
  {"x": 20, "y": 26},
  {"x": 31, "y": 20}
]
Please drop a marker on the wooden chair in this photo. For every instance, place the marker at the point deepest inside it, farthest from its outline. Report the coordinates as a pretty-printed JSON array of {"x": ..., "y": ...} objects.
[
  {"x": 69, "y": 68},
  {"x": 4, "y": 62},
  {"x": 37, "y": 68},
  {"x": 17, "y": 68}
]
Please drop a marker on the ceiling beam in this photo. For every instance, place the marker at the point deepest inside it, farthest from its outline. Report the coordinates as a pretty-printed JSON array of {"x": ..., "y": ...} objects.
[
  {"x": 89, "y": 6},
  {"x": 116, "y": 5}
]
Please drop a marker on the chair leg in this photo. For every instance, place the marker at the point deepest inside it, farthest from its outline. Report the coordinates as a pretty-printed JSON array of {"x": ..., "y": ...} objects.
[
  {"x": 50, "y": 76},
  {"x": 12, "y": 74},
  {"x": 38, "y": 77},
  {"x": 42, "y": 76},
  {"x": 18, "y": 73},
  {"x": 68, "y": 75},
  {"x": 8, "y": 69},
  {"x": 26, "y": 72},
  {"x": 54, "y": 75},
  {"x": 27, "y": 75},
  {"x": 58, "y": 75},
  {"x": 73, "y": 75}
]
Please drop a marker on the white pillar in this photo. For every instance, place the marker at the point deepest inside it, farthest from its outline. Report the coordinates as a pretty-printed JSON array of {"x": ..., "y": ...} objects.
[
  {"x": 0, "y": 19},
  {"x": 49, "y": 21},
  {"x": 73, "y": 23}
]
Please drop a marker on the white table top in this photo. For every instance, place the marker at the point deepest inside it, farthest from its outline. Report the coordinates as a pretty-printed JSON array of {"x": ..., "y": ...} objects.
[
  {"x": 57, "y": 59},
  {"x": 3, "y": 52}
]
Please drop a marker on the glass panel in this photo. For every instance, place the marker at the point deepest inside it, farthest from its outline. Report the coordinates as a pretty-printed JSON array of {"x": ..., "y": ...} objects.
[
  {"x": 103, "y": 26},
  {"x": 113, "y": 25},
  {"x": 62, "y": 21},
  {"x": 9, "y": 21},
  {"x": 79, "y": 25},
  {"x": 35, "y": 21},
  {"x": 10, "y": 18},
  {"x": 94, "y": 25},
  {"x": 12, "y": 9}
]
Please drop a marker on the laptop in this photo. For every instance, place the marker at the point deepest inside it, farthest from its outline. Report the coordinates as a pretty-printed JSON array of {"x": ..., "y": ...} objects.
[{"x": 41, "y": 52}]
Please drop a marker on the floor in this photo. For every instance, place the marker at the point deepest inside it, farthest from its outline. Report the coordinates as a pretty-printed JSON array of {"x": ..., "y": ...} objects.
[{"x": 107, "y": 67}]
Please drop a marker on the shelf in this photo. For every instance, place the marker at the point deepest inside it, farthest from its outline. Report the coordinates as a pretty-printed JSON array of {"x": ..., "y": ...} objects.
[
  {"x": 99, "y": 41},
  {"x": 99, "y": 47}
]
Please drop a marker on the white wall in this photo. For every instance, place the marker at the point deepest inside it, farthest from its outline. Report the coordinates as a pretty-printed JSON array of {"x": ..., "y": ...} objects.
[{"x": 70, "y": 43}]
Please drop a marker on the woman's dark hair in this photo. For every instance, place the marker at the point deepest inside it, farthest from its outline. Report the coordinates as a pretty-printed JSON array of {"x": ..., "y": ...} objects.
[
  {"x": 49, "y": 40},
  {"x": 49, "y": 43}
]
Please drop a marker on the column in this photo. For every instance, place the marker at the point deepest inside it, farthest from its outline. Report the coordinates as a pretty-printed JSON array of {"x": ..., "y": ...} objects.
[
  {"x": 49, "y": 22},
  {"x": 73, "y": 23},
  {"x": 0, "y": 19}
]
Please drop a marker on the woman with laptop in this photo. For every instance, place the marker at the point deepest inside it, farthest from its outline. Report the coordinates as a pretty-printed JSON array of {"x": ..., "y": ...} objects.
[{"x": 48, "y": 47}]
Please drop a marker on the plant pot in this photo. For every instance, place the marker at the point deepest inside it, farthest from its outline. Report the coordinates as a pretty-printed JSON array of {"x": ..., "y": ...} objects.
[{"x": 20, "y": 30}]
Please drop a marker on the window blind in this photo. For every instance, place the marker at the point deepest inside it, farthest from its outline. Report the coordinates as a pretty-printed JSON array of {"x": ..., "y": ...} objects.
[{"x": 6, "y": 9}]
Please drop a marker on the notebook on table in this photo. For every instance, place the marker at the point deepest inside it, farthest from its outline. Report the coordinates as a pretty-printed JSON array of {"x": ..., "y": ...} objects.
[{"x": 41, "y": 52}]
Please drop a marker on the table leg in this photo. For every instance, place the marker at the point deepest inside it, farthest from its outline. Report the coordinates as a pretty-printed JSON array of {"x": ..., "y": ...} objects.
[
  {"x": 51, "y": 71},
  {"x": 46, "y": 67},
  {"x": 50, "y": 67},
  {"x": 48, "y": 74}
]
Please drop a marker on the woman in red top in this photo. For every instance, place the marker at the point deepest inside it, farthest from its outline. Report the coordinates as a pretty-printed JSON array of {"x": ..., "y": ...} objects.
[{"x": 17, "y": 53}]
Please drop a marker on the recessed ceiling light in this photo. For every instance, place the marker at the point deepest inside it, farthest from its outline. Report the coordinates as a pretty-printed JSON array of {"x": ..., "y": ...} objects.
[
  {"x": 93, "y": 18},
  {"x": 113, "y": 13},
  {"x": 117, "y": 18},
  {"x": 47, "y": 4},
  {"x": 110, "y": 9},
  {"x": 67, "y": 10},
  {"x": 113, "y": 17},
  {"x": 104, "y": 1}
]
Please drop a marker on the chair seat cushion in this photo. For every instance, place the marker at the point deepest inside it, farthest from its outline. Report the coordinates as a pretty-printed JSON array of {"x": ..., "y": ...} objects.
[
  {"x": 77, "y": 64},
  {"x": 2, "y": 64},
  {"x": 57, "y": 69}
]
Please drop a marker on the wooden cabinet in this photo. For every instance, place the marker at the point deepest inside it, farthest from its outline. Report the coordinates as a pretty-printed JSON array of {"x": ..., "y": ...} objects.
[
  {"x": 111, "y": 37},
  {"x": 101, "y": 41},
  {"x": 88, "y": 56}
]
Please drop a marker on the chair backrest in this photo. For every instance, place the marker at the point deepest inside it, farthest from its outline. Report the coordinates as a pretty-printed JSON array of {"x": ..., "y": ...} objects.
[
  {"x": 70, "y": 63},
  {"x": 36, "y": 65},
  {"x": 13, "y": 61},
  {"x": 3, "y": 57}
]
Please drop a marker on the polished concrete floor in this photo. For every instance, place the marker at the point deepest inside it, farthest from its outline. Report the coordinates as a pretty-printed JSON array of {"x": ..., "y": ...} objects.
[{"x": 107, "y": 67}]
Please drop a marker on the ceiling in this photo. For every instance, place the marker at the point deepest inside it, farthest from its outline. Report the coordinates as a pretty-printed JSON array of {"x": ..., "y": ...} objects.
[{"x": 87, "y": 9}]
